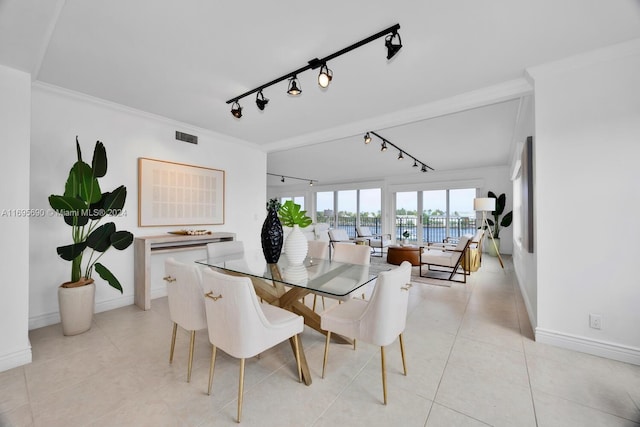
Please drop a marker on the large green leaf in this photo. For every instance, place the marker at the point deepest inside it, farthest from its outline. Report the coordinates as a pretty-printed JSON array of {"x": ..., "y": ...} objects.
[
  {"x": 121, "y": 239},
  {"x": 70, "y": 252},
  {"x": 506, "y": 220},
  {"x": 96, "y": 210},
  {"x": 78, "y": 150},
  {"x": 99, "y": 162},
  {"x": 82, "y": 184},
  {"x": 500, "y": 204},
  {"x": 290, "y": 214},
  {"x": 114, "y": 201},
  {"x": 100, "y": 238},
  {"x": 76, "y": 220},
  {"x": 64, "y": 204},
  {"x": 108, "y": 276}
]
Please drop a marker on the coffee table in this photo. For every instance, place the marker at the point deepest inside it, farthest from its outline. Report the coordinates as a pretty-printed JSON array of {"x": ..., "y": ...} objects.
[{"x": 396, "y": 254}]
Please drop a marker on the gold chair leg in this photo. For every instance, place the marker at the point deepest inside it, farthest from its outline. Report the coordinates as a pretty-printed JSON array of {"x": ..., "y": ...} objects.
[
  {"x": 384, "y": 376},
  {"x": 211, "y": 368},
  {"x": 295, "y": 344},
  {"x": 192, "y": 343},
  {"x": 354, "y": 344},
  {"x": 240, "y": 389},
  {"x": 404, "y": 362},
  {"x": 315, "y": 298},
  {"x": 173, "y": 341},
  {"x": 326, "y": 352}
]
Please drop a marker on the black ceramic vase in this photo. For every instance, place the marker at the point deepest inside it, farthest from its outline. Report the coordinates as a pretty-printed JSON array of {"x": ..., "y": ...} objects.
[{"x": 272, "y": 236}]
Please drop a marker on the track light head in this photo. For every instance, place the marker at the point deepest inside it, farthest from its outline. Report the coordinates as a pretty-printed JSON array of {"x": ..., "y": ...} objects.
[
  {"x": 236, "y": 110},
  {"x": 282, "y": 179},
  {"x": 415, "y": 163},
  {"x": 383, "y": 146},
  {"x": 311, "y": 183},
  {"x": 294, "y": 90},
  {"x": 261, "y": 101},
  {"x": 424, "y": 168},
  {"x": 325, "y": 76},
  {"x": 392, "y": 49},
  {"x": 400, "y": 156},
  {"x": 367, "y": 138}
]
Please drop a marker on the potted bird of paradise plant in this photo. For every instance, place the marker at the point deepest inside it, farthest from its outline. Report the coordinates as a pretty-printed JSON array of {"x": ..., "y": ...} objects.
[{"x": 83, "y": 206}]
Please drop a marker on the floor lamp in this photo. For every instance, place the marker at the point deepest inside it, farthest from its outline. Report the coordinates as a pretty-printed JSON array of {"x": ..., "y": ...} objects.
[{"x": 487, "y": 204}]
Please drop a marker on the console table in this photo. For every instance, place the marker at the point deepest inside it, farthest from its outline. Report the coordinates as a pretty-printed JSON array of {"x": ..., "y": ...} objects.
[{"x": 144, "y": 246}]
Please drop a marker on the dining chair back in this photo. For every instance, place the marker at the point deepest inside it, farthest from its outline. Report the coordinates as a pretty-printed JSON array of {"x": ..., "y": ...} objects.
[
  {"x": 186, "y": 306},
  {"x": 379, "y": 321},
  {"x": 318, "y": 249},
  {"x": 352, "y": 254},
  {"x": 242, "y": 327}
]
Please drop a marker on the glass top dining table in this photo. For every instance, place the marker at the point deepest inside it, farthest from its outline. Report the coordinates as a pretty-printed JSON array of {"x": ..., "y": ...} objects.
[
  {"x": 320, "y": 276},
  {"x": 315, "y": 275}
]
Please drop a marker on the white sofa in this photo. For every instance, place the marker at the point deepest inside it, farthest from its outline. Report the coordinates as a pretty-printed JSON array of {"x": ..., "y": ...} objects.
[{"x": 315, "y": 231}]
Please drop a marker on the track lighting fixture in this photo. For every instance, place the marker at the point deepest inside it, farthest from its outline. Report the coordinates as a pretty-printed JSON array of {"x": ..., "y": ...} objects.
[
  {"x": 293, "y": 90},
  {"x": 282, "y": 178},
  {"x": 261, "y": 101},
  {"x": 236, "y": 110},
  {"x": 401, "y": 153},
  {"x": 325, "y": 75},
  {"x": 392, "y": 49}
]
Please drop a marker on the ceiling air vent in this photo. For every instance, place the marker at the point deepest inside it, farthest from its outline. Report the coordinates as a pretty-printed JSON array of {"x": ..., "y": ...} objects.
[{"x": 181, "y": 136}]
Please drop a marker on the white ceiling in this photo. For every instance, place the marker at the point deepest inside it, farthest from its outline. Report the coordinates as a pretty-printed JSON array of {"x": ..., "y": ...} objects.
[{"x": 449, "y": 98}]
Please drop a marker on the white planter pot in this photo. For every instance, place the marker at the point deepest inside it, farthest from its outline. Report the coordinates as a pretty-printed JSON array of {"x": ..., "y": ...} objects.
[
  {"x": 491, "y": 248},
  {"x": 76, "y": 308},
  {"x": 296, "y": 247}
]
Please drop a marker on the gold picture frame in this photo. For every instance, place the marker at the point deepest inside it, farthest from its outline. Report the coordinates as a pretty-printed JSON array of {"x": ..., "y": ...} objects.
[{"x": 171, "y": 193}]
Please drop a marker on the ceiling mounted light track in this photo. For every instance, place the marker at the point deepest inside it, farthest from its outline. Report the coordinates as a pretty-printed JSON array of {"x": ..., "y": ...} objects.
[
  {"x": 325, "y": 75},
  {"x": 401, "y": 153},
  {"x": 282, "y": 178}
]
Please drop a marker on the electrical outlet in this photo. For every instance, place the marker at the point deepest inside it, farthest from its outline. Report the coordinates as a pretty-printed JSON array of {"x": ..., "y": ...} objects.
[{"x": 595, "y": 321}]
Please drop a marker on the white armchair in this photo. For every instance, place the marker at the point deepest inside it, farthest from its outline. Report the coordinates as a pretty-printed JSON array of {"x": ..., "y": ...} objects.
[
  {"x": 447, "y": 259},
  {"x": 379, "y": 321},
  {"x": 242, "y": 327},
  {"x": 376, "y": 241},
  {"x": 186, "y": 307}
]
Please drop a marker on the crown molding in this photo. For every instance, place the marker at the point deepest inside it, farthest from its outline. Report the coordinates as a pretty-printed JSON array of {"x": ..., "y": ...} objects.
[
  {"x": 576, "y": 62},
  {"x": 189, "y": 128}
]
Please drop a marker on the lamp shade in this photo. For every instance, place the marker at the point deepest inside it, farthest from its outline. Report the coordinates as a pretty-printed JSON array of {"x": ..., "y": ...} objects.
[{"x": 484, "y": 204}]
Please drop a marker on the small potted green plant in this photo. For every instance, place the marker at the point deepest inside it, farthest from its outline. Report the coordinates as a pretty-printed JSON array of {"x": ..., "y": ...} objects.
[
  {"x": 295, "y": 246},
  {"x": 406, "y": 236},
  {"x": 83, "y": 206}
]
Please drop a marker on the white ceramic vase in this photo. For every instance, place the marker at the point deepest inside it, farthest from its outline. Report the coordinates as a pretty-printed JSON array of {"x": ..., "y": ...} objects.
[
  {"x": 296, "y": 247},
  {"x": 76, "y": 308}
]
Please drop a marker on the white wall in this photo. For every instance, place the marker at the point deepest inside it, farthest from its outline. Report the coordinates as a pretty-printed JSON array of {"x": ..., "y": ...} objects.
[
  {"x": 15, "y": 105},
  {"x": 524, "y": 263},
  {"x": 58, "y": 116},
  {"x": 587, "y": 115}
]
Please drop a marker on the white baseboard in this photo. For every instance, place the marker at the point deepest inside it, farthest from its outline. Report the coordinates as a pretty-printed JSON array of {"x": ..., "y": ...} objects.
[
  {"x": 527, "y": 303},
  {"x": 15, "y": 359},
  {"x": 590, "y": 346},
  {"x": 121, "y": 301}
]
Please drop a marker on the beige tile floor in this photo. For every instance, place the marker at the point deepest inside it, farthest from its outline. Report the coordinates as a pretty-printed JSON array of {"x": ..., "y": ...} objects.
[{"x": 470, "y": 354}]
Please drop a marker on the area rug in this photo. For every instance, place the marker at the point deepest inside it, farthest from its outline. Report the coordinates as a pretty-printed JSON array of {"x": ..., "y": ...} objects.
[{"x": 379, "y": 264}]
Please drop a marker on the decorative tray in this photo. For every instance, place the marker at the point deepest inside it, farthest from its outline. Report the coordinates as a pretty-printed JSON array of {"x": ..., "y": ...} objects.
[{"x": 190, "y": 232}]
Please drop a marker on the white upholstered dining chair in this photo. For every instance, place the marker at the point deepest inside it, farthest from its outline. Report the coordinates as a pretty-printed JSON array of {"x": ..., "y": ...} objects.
[
  {"x": 378, "y": 321},
  {"x": 186, "y": 306},
  {"x": 242, "y": 327}
]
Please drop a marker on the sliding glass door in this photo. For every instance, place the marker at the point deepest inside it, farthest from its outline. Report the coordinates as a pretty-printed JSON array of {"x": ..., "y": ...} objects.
[{"x": 434, "y": 215}]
